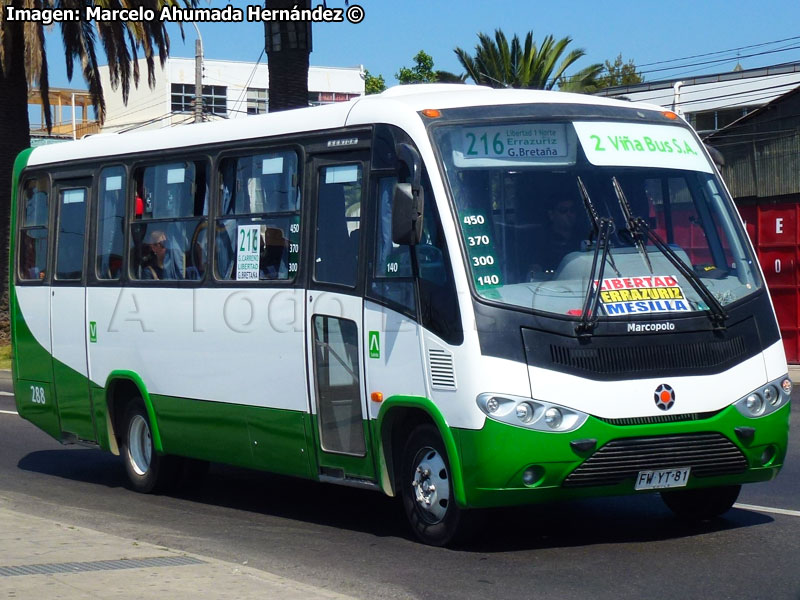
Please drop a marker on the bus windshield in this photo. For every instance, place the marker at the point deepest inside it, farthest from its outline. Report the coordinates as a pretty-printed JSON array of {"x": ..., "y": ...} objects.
[{"x": 531, "y": 198}]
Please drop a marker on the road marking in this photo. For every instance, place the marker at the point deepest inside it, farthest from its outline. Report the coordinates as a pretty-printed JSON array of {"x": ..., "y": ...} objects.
[
  {"x": 6, "y": 393},
  {"x": 9, "y": 412},
  {"x": 768, "y": 509}
]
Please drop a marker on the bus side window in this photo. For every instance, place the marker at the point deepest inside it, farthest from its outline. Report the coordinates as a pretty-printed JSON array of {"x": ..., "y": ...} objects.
[
  {"x": 71, "y": 227},
  {"x": 437, "y": 289},
  {"x": 390, "y": 275},
  {"x": 338, "y": 224},
  {"x": 34, "y": 230},
  {"x": 110, "y": 223},
  {"x": 390, "y": 278},
  {"x": 258, "y": 227},
  {"x": 167, "y": 236}
]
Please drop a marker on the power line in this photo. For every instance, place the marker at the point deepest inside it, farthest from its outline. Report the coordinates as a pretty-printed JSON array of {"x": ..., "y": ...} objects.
[
  {"x": 663, "y": 62},
  {"x": 722, "y": 60},
  {"x": 249, "y": 80}
]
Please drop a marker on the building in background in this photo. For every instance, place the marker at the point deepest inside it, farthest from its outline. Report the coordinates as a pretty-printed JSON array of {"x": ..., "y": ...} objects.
[
  {"x": 72, "y": 113},
  {"x": 761, "y": 167},
  {"x": 752, "y": 117},
  {"x": 231, "y": 90},
  {"x": 711, "y": 102}
]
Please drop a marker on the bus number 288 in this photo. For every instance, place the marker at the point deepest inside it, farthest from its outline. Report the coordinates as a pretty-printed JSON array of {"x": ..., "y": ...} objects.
[{"x": 37, "y": 394}]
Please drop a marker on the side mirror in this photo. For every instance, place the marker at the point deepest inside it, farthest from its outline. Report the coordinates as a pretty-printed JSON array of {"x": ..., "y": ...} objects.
[
  {"x": 408, "y": 201},
  {"x": 407, "y": 209}
]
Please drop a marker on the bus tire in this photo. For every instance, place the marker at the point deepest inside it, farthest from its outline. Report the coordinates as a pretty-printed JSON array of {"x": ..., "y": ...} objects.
[
  {"x": 701, "y": 504},
  {"x": 147, "y": 470},
  {"x": 426, "y": 488}
]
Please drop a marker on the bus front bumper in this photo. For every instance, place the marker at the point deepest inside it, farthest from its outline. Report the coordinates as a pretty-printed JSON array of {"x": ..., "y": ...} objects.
[{"x": 504, "y": 465}]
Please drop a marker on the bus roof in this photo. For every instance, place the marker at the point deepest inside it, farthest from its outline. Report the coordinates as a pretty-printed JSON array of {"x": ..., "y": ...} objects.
[{"x": 387, "y": 107}]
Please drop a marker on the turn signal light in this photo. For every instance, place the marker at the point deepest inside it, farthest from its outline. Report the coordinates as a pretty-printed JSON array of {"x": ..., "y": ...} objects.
[
  {"x": 376, "y": 397},
  {"x": 670, "y": 115},
  {"x": 432, "y": 113}
]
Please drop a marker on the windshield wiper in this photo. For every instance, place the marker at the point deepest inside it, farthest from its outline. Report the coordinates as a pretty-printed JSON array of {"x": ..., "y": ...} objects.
[
  {"x": 639, "y": 228},
  {"x": 595, "y": 219},
  {"x": 629, "y": 223},
  {"x": 603, "y": 227}
]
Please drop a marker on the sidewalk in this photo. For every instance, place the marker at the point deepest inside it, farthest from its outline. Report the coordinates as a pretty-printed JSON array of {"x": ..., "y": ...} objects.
[{"x": 42, "y": 559}]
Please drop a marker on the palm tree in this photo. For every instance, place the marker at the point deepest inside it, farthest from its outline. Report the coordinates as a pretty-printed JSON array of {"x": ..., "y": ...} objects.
[
  {"x": 23, "y": 65},
  {"x": 288, "y": 45},
  {"x": 499, "y": 64}
]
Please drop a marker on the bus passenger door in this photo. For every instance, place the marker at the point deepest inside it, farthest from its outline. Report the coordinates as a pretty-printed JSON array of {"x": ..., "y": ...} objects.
[
  {"x": 334, "y": 312},
  {"x": 68, "y": 310}
]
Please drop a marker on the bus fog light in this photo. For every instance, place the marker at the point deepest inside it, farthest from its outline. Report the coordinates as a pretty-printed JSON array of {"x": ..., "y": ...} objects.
[
  {"x": 786, "y": 386},
  {"x": 525, "y": 412},
  {"x": 492, "y": 405},
  {"x": 553, "y": 417},
  {"x": 767, "y": 455},
  {"x": 755, "y": 404},
  {"x": 532, "y": 475}
]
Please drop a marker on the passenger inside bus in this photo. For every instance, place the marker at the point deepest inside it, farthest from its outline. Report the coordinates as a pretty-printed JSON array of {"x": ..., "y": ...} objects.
[
  {"x": 274, "y": 254},
  {"x": 158, "y": 259}
]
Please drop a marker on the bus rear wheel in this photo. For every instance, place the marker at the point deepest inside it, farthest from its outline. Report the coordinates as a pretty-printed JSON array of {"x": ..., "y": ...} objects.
[
  {"x": 147, "y": 470},
  {"x": 701, "y": 504},
  {"x": 426, "y": 488}
]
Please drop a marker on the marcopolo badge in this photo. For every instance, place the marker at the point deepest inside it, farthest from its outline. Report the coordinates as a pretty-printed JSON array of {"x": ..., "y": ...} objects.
[{"x": 664, "y": 396}]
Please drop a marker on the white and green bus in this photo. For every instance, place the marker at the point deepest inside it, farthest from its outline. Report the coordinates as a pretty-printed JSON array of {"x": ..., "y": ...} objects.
[{"x": 463, "y": 297}]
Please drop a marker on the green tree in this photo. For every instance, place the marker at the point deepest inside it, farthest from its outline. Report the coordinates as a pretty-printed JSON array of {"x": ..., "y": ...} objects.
[
  {"x": 421, "y": 72},
  {"x": 619, "y": 73},
  {"x": 373, "y": 84},
  {"x": 448, "y": 77},
  {"x": 24, "y": 65},
  {"x": 498, "y": 64}
]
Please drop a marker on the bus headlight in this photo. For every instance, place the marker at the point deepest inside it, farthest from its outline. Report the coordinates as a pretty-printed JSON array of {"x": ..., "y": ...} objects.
[
  {"x": 754, "y": 404},
  {"x": 530, "y": 413},
  {"x": 766, "y": 399},
  {"x": 771, "y": 396},
  {"x": 553, "y": 417},
  {"x": 525, "y": 412}
]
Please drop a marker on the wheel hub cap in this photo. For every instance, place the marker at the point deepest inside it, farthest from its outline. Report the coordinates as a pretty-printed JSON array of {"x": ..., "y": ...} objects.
[
  {"x": 431, "y": 489},
  {"x": 140, "y": 447}
]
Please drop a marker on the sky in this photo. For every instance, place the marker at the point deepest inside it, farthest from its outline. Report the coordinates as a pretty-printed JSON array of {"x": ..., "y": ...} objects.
[{"x": 392, "y": 32}]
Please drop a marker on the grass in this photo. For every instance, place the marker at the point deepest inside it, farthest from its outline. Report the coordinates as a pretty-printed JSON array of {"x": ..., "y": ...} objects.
[{"x": 5, "y": 357}]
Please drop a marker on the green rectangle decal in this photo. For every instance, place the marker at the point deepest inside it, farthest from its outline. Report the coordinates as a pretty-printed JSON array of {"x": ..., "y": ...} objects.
[
  {"x": 374, "y": 344},
  {"x": 93, "y": 332}
]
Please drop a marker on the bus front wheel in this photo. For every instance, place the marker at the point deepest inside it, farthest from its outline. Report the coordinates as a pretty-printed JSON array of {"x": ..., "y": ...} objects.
[
  {"x": 701, "y": 504},
  {"x": 427, "y": 489},
  {"x": 147, "y": 470}
]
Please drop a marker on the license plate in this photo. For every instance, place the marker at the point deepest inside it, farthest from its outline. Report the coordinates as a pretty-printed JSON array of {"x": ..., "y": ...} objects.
[{"x": 665, "y": 478}]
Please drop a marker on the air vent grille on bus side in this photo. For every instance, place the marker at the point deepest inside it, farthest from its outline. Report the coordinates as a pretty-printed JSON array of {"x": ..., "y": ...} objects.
[
  {"x": 443, "y": 373},
  {"x": 635, "y": 359},
  {"x": 708, "y": 454}
]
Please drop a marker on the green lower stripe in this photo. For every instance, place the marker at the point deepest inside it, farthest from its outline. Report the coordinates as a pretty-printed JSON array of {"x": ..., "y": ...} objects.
[{"x": 247, "y": 436}]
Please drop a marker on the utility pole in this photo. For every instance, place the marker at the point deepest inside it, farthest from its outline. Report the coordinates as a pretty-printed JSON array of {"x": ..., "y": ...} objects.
[{"x": 198, "y": 76}]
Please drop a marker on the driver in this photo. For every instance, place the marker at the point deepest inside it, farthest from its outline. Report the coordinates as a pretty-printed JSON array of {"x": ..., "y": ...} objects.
[{"x": 559, "y": 237}]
